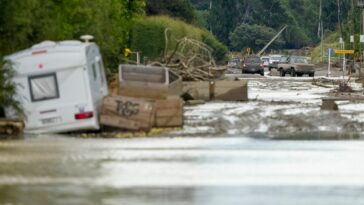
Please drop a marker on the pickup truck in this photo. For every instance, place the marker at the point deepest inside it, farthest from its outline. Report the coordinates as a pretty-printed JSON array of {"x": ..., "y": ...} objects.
[{"x": 295, "y": 66}]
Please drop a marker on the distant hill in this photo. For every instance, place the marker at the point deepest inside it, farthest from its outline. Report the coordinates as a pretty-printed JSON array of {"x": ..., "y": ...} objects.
[{"x": 225, "y": 18}]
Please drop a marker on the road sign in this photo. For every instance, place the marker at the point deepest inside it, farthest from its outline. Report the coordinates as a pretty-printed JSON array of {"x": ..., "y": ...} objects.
[
  {"x": 344, "y": 51},
  {"x": 127, "y": 52},
  {"x": 248, "y": 50},
  {"x": 330, "y": 52},
  {"x": 361, "y": 38},
  {"x": 351, "y": 39}
]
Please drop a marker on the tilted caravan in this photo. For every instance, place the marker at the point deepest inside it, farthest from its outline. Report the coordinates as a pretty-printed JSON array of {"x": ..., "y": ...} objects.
[{"x": 60, "y": 85}]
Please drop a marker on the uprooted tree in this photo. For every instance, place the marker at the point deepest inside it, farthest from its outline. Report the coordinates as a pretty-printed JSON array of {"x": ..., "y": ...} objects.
[{"x": 191, "y": 59}]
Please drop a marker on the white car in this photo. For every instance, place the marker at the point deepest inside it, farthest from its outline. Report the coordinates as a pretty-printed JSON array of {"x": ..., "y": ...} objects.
[
  {"x": 265, "y": 60},
  {"x": 274, "y": 58},
  {"x": 234, "y": 63},
  {"x": 273, "y": 61}
]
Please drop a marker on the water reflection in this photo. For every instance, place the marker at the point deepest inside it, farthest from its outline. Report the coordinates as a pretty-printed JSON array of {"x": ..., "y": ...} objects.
[{"x": 234, "y": 170}]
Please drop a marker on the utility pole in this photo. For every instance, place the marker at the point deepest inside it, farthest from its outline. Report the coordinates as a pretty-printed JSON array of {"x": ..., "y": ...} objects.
[
  {"x": 210, "y": 14},
  {"x": 342, "y": 43},
  {"x": 271, "y": 41},
  {"x": 362, "y": 33},
  {"x": 321, "y": 32},
  {"x": 340, "y": 26},
  {"x": 361, "y": 6}
]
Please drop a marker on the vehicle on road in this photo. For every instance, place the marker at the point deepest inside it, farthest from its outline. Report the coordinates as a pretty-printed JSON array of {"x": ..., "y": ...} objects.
[
  {"x": 61, "y": 86},
  {"x": 295, "y": 66},
  {"x": 273, "y": 61},
  {"x": 234, "y": 62},
  {"x": 265, "y": 60},
  {"x": 253, "y": 64}
]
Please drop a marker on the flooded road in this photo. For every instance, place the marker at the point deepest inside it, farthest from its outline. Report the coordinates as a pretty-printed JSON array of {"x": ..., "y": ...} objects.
[
  {"x": 207, "y": 171},
  {"x": 225, "y": 155}
]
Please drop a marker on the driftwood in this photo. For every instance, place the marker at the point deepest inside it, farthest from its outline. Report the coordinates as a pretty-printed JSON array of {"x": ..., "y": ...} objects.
[
  {"x": 191, "y": 59},
  {"x": 343, "y": 85}
]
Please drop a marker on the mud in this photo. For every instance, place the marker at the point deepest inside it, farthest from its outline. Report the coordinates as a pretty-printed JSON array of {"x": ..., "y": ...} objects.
[{"x": 277, "y": 109}]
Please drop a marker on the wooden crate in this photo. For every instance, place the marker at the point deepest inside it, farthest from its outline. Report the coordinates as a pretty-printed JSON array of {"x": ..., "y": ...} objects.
[
  {"x": 217, "y": 90},
  {"x": 148, "y": 82},
  {"x": 127, "y": 113},
  {"x": 143, "y": 90},
  {"x": 169, "y": 112}
]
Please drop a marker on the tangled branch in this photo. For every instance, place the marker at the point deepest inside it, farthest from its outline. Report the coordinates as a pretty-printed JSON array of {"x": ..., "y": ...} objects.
[{"x": 191, "y": 59}]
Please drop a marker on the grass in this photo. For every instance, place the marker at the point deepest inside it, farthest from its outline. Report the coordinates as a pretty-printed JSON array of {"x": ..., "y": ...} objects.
[{"x": 331, "y": 41}]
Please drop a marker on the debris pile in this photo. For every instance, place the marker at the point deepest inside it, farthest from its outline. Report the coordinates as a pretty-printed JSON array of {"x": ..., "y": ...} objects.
[
  {"x": 344, "y": 87},
  {"x": 11, "y": 127},
  {"x": 191, "y": 59}
]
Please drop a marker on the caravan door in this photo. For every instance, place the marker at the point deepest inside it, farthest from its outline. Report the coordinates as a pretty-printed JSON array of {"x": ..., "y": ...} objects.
[{"x": 97, "y": 80}]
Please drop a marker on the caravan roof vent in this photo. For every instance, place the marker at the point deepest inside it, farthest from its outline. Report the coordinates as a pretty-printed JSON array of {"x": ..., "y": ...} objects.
[
  {"x": 87, "y": 38},
  {"x": 44, "y": 44}
]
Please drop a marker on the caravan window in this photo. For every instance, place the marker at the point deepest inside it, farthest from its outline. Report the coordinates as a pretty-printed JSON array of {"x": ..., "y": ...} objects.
[
  {"x": 101, "y": 69},
  {"x": 94, "y": 71},
  {"x": 43, "y": 87}
]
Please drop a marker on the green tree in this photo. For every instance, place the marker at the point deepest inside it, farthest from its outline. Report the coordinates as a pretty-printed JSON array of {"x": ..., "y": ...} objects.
[
  {"x": 253, "y": 36},
  {"x": 26, "y": 22},
  {"x": 181, "y": 9},
  {"x": 16, "y": 18},
  {"x": 201, "y": 4},
  {"x": 223, "y": 18},
  {"x": 301, "y": 16},
  {"x": 154, "y": 28},
  {"x": 8, "y": 89}
]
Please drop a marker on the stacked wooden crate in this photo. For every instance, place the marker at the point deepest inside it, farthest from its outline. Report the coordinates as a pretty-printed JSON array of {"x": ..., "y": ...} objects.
[
  {"x": 169, "y": 112},
  {"x": 151, "y": 94},
  {"x": 128, "y": 113}
]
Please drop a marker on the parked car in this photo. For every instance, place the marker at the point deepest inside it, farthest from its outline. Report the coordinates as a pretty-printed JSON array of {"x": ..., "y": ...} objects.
[
  {"x": 234, "y": 63},
  {"x": 265, "y": 60},
  {"x": 253, "y": 64},
  {"x": 273, "y": 61},
  {"x": 295, "y": 66},
  {"x": 61, "y": 86}
]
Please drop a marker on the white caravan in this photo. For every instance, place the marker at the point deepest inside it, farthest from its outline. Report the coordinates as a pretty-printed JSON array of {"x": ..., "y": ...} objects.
[{"x": 61, "y": 85}]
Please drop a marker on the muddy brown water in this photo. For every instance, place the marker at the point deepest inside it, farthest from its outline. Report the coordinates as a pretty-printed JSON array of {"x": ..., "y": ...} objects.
[
  {"x": 225, "y": 155},
  {"x": 199, "y": 170}
]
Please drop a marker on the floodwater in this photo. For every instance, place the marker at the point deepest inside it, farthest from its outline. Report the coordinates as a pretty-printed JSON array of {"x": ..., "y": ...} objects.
[
  {"x": 226, "y": 154},
  {"x": 204, "y": 171}
]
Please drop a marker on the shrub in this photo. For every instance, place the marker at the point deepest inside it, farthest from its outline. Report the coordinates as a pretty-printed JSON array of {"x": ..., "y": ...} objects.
[
  {"x": 219, "y": 50},
  {"x": 8, "y": 89},
  {"x": 148, "y": 36}
]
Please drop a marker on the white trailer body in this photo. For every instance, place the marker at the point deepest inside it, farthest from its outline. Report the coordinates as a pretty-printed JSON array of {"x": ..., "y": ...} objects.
[{"x": 60, "y": 85}]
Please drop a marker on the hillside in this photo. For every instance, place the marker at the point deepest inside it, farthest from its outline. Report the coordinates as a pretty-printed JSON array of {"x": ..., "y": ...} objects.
[
  {"x": 226, "y": 19},
  {"x": 149, "y": 36}
]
